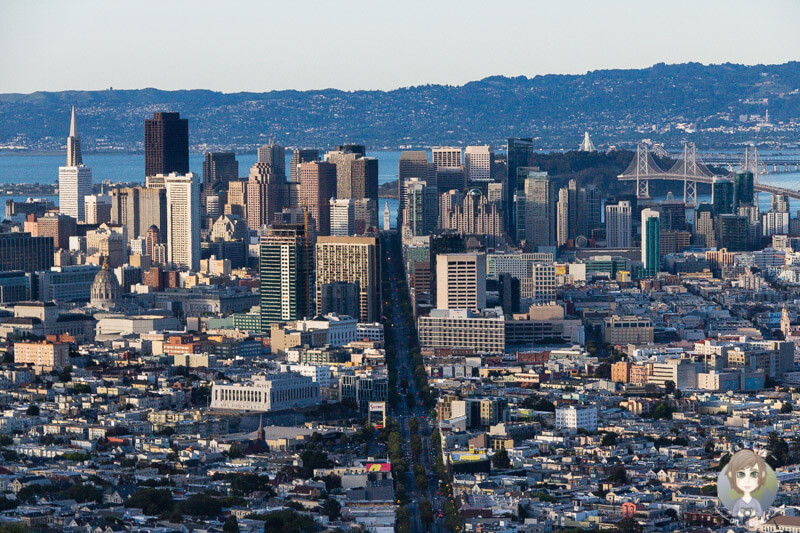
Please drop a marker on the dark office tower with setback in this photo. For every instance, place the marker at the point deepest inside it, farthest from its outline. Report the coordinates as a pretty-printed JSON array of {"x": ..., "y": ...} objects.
[
  {"x": 299, "y": 156},
  {"x": 274, "y": 155},
  {"x": 166, "y": 144},
  {"x": 520, "y": 154},
  {"x": 413, "y": 164},
  {"x": 219, "y": 168}
]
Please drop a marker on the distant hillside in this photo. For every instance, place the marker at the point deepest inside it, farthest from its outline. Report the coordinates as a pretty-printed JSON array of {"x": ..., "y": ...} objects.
[{"x": 723, "y": 103}]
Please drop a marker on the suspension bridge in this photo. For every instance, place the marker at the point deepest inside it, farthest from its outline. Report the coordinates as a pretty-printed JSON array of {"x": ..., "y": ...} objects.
[{"x": 691, "y": 170}]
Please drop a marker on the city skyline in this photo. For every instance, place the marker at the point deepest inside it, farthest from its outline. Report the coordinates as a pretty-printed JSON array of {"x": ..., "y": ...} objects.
[
  {"x": 537, "y": 328},
  {"x": 589, "y": 37}
]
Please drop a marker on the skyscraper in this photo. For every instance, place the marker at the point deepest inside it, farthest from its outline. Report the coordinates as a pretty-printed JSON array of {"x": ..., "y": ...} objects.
[
  {"x": 183, "y": 220},
  {"x": 651, "y": 243},
  {"x": 356, "y": 178},
  {"x": 97, "y": 209},
  {"x": 446, "y": 157},
  {"x": 74, "y": 179},
  {"x": 287, "y": 273},
  {"x": 673, "y": 215},
  {"x": 352, "y": 260},
  {"x": 722, "y": 196},
  {"x": 342, "y": 217},
  {"x": 299, "y": 156},
  {"x": 732, "y": 232},
  {"x": 704, "y": 224},
  {"x": 317, "y": 186},
  {"x": 461, "y": 281},
  {"x": 478, "y": 163},
  {"x": 448, "y": 178},
  {"x": 742, "y": 188},
  {"x": 219, "y": 168},
  {"x": 520, "y": 154},
  {"x": 567, "y": 211},
  {"x": 237, "y": 198},
  {"x": 471, "y": 214},
  {"x": 22, "y": 251},
  {"x": 420, "y": 214},
  {"x": 412, "y": 164},
  {"x": 273, "y": 155},
  {"x": 266, "y": 192},
  {"x": 779, "y": 203},
  {"x": 166, "y": 144},
  {"x": 538, "y": 221},
  {"x": 138, "y": 208},
  {"x": 589, "y": 211},
  {"x": 618, "y": 225}
]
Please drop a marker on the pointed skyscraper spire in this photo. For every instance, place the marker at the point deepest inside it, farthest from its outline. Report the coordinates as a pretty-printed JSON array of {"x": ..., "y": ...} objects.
[
  {"x": 586, "y": 145},
  {"x": 73, "y": 125},
  {"x": 74, "y": 158}
]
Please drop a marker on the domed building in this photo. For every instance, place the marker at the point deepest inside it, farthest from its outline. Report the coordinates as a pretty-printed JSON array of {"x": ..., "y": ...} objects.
[{"x": 106, "y": 291}]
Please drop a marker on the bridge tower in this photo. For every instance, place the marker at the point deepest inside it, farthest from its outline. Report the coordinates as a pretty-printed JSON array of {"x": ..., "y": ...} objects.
[
  {"x": 689, "y": 169},
  {"x": 642, "y": 173},
  {"x": 752, "y": 163}
]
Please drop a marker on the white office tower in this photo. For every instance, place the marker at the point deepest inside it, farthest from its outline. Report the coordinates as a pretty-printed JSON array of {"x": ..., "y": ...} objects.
[
  {"x": 618, "y": 225},
  {"x": 74, "y": 179},
  {"x": 342, "y": 217},
  {"x": 478, "y": 163},
  {"x": 183, "y": 220},
  {"x": 446, "y": 157}
]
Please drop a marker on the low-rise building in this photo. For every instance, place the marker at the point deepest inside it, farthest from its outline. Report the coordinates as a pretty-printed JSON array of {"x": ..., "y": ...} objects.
[{"x": 272, "y": 392}]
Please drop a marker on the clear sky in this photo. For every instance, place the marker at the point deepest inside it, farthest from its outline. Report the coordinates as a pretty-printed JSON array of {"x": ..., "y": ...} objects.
[{"x": 250, "y": 45}]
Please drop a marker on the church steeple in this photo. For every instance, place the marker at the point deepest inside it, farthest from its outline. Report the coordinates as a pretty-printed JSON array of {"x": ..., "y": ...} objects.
[
  {"x": 74, "y": 158},
  {"x": 261, "y": 434}
]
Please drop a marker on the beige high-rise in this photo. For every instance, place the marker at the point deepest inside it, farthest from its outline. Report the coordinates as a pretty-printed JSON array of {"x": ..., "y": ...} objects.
[
  {"x": 352, "y": 260},
  {"x": 461, "y": 281}
]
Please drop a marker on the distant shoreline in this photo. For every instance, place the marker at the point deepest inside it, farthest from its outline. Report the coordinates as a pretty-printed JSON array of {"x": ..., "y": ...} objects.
[{"x": 140, "y": 152}]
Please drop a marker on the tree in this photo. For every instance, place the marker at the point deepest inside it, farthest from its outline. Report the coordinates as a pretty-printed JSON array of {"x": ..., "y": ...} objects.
[
  {"x": 786, "y": 408},
  {"x": 403, "y": 518},
  {"x": 669, "y": 386},
  {"x": 65, "y": 375},
  {"x": 538, "y": 404},
  {"x": 331, "y": 509},
  {"x": 500, "y": 460},
  {"x": 33, "y": 410},
  {"x": 603, "y": 371},
  {"x": 609, "y": 439},
  {"x": 231, "y": 525},
  {"x": 288, "y": 521},
  {"x": 662, "y": 410},
  {"x": 629, "y": 525},
  {"x": 83, "y": 492},
  {"x": 778, "y": 451},
  {"x": 618, "y": 475},
  {"x": 426, "y": 512},
  {"x": 152, "y": 502},
  {"x": 200, "y": 505}
]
